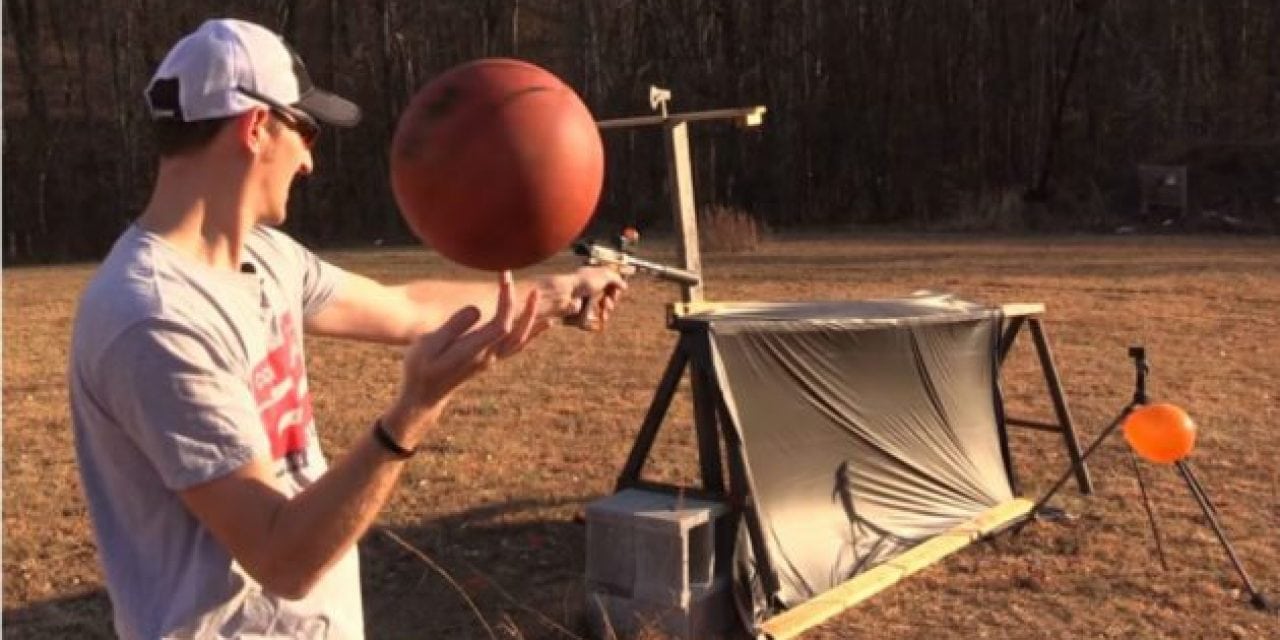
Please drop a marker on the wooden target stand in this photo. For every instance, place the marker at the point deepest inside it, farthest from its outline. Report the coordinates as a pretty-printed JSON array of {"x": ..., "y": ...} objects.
[
  {"x": 675, "y": 127},
  {"x": 1029, "y": 317},
  {"x": 712, "y": 428}
]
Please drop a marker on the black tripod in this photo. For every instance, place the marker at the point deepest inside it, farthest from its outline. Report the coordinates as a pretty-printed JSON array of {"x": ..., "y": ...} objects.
[
  {"x": 1139, "y": 356},
  {"x": 1141, "y": 368}
]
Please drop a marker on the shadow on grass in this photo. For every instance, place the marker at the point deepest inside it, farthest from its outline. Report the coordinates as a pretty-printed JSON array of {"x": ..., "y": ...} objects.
[
  {"x": 522, "y": 568},
  {"x": 87, "y": 615},
  {"x": 524, "y": 573}
]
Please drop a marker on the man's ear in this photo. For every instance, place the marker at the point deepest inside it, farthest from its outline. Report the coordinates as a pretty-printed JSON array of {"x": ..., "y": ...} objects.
[{"x": 251, "y": 129}]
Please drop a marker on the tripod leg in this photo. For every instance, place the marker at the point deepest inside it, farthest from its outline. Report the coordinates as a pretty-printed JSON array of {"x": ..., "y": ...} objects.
[
  {"x": 1075, "y": 467},
  {"x": 1197, "y": 491},
  {"x": 1199, "y": 487},
  {"x": 1151, "y": 514}
]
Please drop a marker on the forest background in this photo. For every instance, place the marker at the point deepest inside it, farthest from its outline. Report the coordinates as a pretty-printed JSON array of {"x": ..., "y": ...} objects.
[{"x": 941, "y": 115}]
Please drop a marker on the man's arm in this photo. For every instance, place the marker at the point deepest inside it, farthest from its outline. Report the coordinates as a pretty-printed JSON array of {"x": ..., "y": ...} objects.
[
  {"x": 367, "y": 310},
  {"x": 287, "y": 544}
]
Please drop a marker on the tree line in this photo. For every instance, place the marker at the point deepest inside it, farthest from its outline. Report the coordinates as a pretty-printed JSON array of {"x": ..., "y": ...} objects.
[{"x": 921, "y": 114}]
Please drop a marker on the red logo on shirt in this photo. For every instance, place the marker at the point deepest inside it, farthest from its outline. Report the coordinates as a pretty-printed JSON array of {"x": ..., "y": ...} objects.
[{"x": 280, "y": 389}]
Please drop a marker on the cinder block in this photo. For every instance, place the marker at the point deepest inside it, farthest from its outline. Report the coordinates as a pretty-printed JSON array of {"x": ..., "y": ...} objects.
[
  {"x": 708, "y": 614},
  {"x": 651, "y": 561}
]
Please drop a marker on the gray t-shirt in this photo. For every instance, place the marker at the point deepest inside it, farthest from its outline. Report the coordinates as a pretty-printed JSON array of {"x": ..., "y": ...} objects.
[{"x": 180, "y": 374}]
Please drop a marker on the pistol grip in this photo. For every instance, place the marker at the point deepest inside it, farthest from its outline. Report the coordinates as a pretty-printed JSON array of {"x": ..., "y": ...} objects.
[{"x": 588, "y": 316}]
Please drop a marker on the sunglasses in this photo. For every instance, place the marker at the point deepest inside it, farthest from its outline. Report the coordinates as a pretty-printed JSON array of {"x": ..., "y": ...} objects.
[{"x": 306, "y": 126}]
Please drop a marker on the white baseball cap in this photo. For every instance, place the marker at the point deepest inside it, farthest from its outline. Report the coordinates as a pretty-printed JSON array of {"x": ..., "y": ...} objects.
[{"x": 227, "y": 67}]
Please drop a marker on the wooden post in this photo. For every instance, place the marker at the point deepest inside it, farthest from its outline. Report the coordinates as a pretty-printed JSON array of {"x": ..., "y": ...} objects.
[
  {"x": 683, "y": 208},
  {"x": 653, "y": 419}
]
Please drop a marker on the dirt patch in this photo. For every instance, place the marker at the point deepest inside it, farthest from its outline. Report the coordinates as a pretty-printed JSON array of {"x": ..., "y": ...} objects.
[{"x": 522, "y": 451}]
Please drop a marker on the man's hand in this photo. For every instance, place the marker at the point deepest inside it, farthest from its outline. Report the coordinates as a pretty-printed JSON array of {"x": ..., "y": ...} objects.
[
  {"x": 288, "y": 543},
  {"x": 439, "y": 362},
  {"x": 585, "y": 298}
]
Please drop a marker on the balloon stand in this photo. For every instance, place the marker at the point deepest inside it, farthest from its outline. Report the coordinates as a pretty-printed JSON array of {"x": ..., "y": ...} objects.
[{"x": 1138, "y": 403}]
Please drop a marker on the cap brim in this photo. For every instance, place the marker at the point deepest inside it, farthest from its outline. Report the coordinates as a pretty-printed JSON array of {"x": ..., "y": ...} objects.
[{"x": 329, "y": 108}]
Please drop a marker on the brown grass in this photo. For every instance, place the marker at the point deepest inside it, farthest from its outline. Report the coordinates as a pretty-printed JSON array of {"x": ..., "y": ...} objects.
[
  {"x": 726, "y": 229},
  {"x": 496, "y": 501}
]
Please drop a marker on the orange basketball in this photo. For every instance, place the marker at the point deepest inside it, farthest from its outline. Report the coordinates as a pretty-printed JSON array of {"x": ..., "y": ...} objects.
[
  {"x": 1162, "y": 433},
  {"x": 497, "y": 164}
]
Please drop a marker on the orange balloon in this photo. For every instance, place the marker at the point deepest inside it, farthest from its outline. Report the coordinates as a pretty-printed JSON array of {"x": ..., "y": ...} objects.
[{"x": 1161, "y": 433}]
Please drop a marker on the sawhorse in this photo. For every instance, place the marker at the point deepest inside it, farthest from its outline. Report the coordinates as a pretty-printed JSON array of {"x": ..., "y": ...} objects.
[
  {"x": 689, "y": 354},
  {"x": 1028, "y": 315}
]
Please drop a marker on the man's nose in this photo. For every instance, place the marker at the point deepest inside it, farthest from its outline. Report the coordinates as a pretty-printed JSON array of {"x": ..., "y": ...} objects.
[{"x": 308, "y": 164}]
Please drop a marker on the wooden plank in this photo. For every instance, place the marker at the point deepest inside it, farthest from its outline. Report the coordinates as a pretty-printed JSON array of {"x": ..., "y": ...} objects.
[
  {"x": 681, "y": 309},
  {"x": 1014, "y": 309},
  {"x": 683, "y": 210},
  {"x": 705, "y": 419},
  {"x": 796, "y": 621},
  {"x": 654, "y": 417},
  {"x": 1034, "y": 424},
  {"x": 744, "y": 116},
  {"x": 1059, "y": 397},
  {"x": 1021, "y": 309}
]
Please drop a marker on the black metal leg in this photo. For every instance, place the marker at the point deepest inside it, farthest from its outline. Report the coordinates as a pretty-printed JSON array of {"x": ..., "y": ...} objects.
[
  {"x": 1151, "y": 514},
  {"x": 1255, "y": 597},
  {"x": 1076, "y": 463}
]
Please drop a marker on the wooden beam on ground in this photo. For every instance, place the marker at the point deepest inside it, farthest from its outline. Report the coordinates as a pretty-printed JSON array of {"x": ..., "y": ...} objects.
[{"x": 817, "y": 610}]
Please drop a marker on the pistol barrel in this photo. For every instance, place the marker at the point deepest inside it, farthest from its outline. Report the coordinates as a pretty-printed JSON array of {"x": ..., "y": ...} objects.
[
  {"x": 605, "y": 255},
  {"x": 673, "y": 274}
]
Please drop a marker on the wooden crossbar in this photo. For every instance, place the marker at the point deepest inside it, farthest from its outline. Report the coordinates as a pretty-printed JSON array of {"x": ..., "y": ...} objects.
[
  {"x": 1022, "y": 309},
  {"x": 793, "y": 622},
  {"x": 680, "y": 309},
  {"x": 744, "y": 116}
]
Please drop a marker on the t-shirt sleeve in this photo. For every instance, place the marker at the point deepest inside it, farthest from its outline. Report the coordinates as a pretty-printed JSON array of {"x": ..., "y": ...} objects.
[
  {"x": 319, "y": 283},
  {"x": 181, "y": 403},
  {"x": 317, "y": 280},
  {"x": 320, "y": 279}
]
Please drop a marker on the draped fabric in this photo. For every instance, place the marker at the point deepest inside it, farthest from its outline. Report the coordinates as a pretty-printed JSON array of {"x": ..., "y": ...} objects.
[{"x": 866, "y": 428}]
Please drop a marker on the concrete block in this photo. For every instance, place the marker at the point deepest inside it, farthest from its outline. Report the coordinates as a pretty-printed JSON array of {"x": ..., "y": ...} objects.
[
  {"x": 651, "y": 564},
  {"x": 709, "y": 613}
]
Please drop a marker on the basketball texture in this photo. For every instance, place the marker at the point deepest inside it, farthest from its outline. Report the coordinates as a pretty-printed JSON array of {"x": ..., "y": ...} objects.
[{"x": 497, "y": 164}]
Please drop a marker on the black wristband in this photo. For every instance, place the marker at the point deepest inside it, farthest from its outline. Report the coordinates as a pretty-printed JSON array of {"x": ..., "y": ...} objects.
[{"x": 389, "y": 443}]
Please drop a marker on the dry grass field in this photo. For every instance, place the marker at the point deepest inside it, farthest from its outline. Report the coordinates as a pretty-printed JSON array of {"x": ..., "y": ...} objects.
[{"x": 496, "y": 501}]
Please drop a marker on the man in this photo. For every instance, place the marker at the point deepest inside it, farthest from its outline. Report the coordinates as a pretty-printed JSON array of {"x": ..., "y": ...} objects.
[{"x": 215, "y": 513}]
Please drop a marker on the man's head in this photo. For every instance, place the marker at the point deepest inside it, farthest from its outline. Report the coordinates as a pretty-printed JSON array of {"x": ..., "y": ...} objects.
[
  {"x": 231, "y": 74},
  {"x": 229, "y": 67}
]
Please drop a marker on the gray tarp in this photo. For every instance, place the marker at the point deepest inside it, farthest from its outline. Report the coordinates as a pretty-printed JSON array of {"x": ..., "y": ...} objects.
[{"x": 867, "y": 427}]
